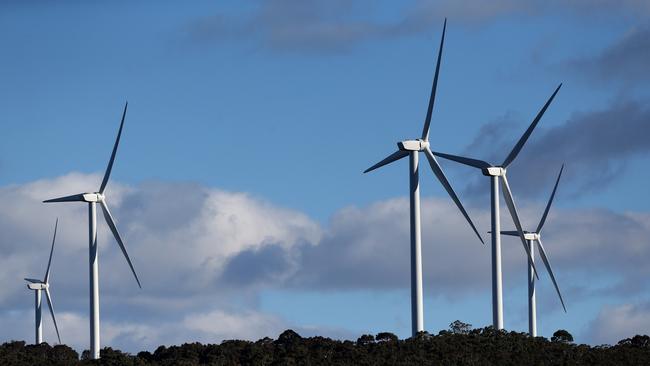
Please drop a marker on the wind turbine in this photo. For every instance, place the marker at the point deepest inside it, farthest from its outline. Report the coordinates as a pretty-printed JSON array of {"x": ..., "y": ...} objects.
[
  {"x": 37, "y": 286},
  {"x": 92, "y": 199},
  {"x": 531, "y": 238},
  {"x": 495, "y": 172},
  {"x": 412, "y": 148}
]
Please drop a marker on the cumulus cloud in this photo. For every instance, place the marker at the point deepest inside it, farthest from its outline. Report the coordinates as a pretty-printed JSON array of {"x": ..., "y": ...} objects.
[
  {"x": 205, "y": 255},
  {"x": 247, "y": 325},
  {"x": 616, "y": 322},
  {"x": 207, "y": 326},
  {"x": 183, "y": 239},
  {"x": 369, "y": 248}
]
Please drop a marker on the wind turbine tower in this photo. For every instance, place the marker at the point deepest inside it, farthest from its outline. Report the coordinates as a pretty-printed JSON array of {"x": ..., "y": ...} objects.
[
  {"x": 38, "y": 286},
  {"x": 412, "y": 148},
  {"x": 533, "y": 237},
  {"x": 497, "y": 174},
  {"x": 93, "y": 199}
]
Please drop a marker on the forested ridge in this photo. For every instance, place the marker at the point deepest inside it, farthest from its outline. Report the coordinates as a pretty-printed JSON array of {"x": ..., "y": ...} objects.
[{"x": 458, "y": 346}]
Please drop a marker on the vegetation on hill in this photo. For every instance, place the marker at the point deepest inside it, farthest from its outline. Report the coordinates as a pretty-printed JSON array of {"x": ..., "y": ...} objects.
[{"x": 458, "y": 346}]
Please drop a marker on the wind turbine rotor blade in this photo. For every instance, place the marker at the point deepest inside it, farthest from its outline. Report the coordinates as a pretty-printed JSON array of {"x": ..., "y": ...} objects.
[
  {"x": 51, "y": 307},
  {"x": 437, "y": 170},
  {"x": 432, "y": 98},
  {"x": 73, "y": 198},
  {"x": 526, "y": 135},
  {"x": 550, "y": 201},
  {"x": 480, "y": 164},
  {"x": 510, "y": 233},
  {"x": 33, "y": 280},
  {"x": 110, "y": 162},
  {"x": 389, "y": 159},
  {"x": 507, "y": 194},
  {"x": 111, "y": 225},
  {"x": 550, "y": 271},
  {"x": 49, "y": 262}
]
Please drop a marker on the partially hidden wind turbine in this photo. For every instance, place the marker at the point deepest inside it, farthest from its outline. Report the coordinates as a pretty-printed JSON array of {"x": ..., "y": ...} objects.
[
  {"x": 412, "y": 148},
  {"x": 92, "y": 199},
  {"x": 496, "y": 172},
  {"x": 531, "y": 238},
  {"x": 37, "y": 286}
]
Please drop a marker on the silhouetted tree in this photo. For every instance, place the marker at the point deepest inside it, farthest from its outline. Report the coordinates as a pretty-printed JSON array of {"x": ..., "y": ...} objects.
[
  {"x": 288, "y": 337},
  {"x": 422, "y": 335},
  {"x": 386, "y": 337},
  {"x": 636, "y": 341},
  {"x": 458, "y": 327},
  {"x": 485, "y": 346},
  {"x": 562, "y": 336}
]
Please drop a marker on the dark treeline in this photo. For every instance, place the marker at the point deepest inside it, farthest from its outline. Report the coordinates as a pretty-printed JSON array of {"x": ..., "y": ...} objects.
[{"x": 459, "y": 346}]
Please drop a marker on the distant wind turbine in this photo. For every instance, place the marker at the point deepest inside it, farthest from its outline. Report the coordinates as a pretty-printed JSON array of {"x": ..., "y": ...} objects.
[
  {"x": 92, "y": 199},
  {"x": 496, "y": 172},
  {"x": 535, "y": 237},
  {"x": 37, "y": 286},
  {"x": 411, "y": 148}
]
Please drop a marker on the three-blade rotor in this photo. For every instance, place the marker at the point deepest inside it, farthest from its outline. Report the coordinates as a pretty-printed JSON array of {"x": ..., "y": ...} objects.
[
  {"x": 536, "y": 238},
  {"x": 45, "y": 283},
  {"x": 423, "y": 145},
  {"x": 99, "y": 197},
  {"x": 500, "y": 171}
]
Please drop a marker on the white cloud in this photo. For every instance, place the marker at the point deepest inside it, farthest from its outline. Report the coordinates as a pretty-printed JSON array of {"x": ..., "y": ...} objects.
[
  {"x": 617, "y": 322},
  {"x": 217, "y": 325},
  {"x": 204, "y": 256},
  {"x": 180, "y": 238}
]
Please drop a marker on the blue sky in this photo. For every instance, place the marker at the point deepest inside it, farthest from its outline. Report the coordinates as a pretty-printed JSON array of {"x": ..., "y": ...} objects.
[{"x": 268, "y": 111}]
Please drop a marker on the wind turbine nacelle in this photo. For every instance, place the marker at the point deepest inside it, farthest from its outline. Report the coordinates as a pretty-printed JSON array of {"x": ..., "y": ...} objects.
[
  {"x": 36, "y": 286},
  {"x": 93, "y": 197},
  {"x": 531, "y": 236},
  {"x": 412, "y": 145},
  {"x": 527, "y": 234},
  {"x": 494, "y": 171}
]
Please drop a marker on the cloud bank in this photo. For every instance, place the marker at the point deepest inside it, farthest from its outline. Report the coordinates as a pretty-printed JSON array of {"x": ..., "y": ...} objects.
[
  {"x": 596, "y": 146},
  {"x": 312, "y": 26},
  {"x": 204, "y": 256},
  {"x": 624, "y": 61}
]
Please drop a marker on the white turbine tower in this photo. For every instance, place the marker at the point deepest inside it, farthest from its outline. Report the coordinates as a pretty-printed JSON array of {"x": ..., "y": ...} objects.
[
  {"x": 37, "y": 286},
  {"x": 412, "y": 148},
  {"x": 496, "y": 172},
  {"x": 92, "y": 199},
  {"x": 531, "y": 238}
]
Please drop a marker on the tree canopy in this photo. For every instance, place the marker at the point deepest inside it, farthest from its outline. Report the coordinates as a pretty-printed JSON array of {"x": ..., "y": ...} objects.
[{"x": 484, "y": 346}]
